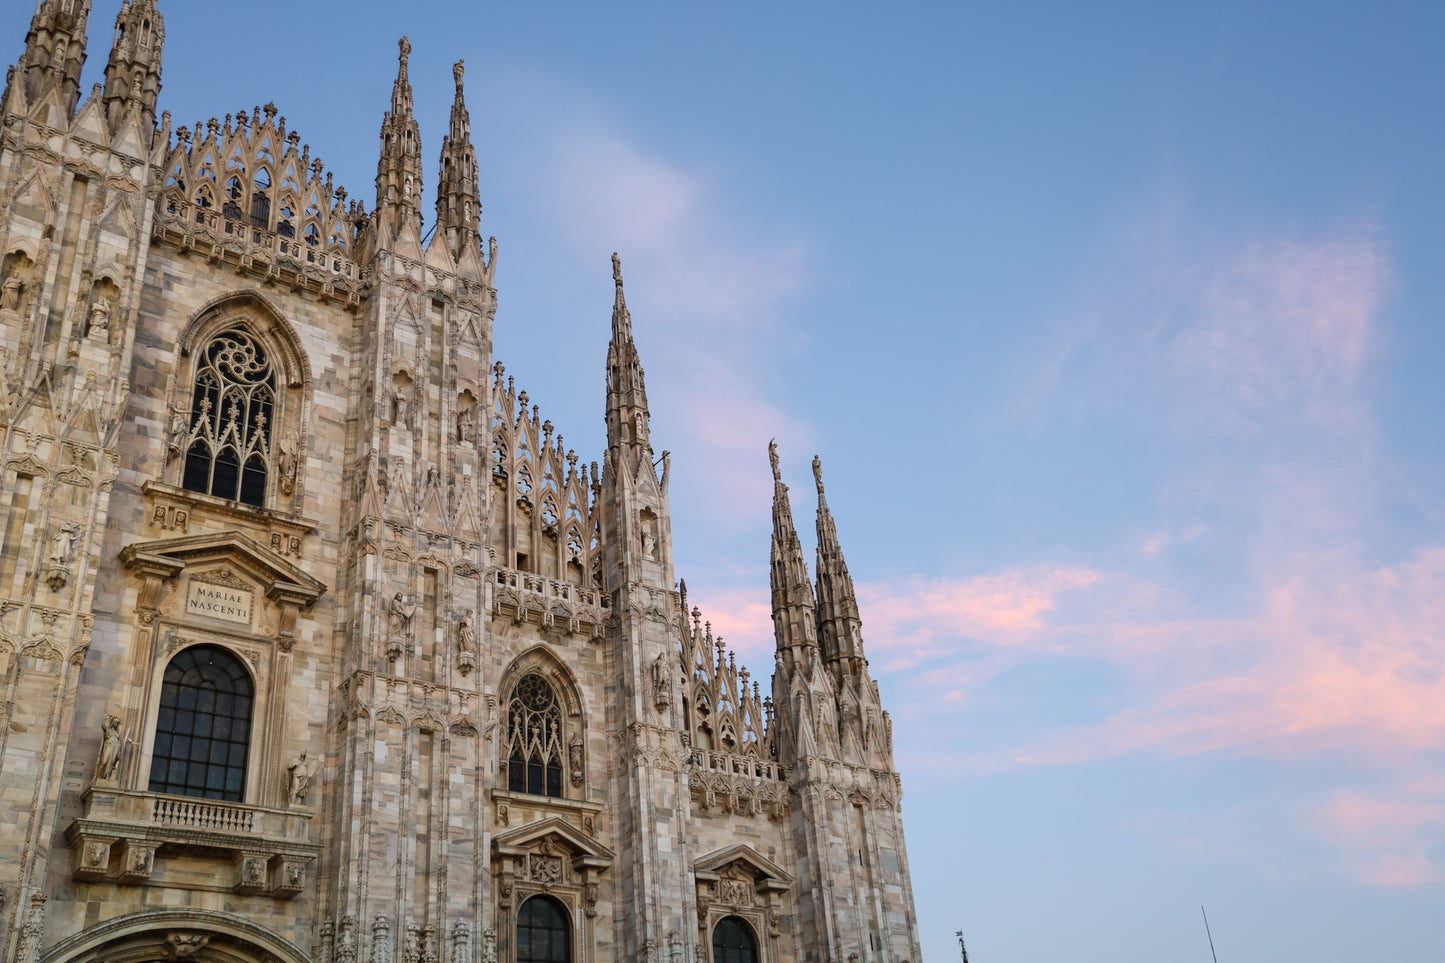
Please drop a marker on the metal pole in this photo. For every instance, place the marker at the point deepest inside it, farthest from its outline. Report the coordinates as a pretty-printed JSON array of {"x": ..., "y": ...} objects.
[{"x": 1208, "y": 934}]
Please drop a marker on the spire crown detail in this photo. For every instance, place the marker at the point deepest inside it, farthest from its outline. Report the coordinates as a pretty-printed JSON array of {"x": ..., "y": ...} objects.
[
  {"x": 458, "y": 190},
  {"x": 627, "y": 414},
  {"x": 133, "y": 73},
  {"x": 54, "y": 52},
  {"x": 398, "y": 173}
]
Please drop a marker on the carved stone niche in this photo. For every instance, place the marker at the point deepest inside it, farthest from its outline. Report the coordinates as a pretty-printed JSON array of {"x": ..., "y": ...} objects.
[
  {"x": 741, "y": 882},
  {"x": 549, "y": 856}
]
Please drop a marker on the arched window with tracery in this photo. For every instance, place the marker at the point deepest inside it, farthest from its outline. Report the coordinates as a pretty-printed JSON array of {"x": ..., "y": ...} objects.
[
  {"x": 733, "y": 941},
  {"x": 203, "y": 729},
  {"x": 534, "y": 738},
  {"x": 233, "y": 407},
  {"x": 544, "y": 932}
]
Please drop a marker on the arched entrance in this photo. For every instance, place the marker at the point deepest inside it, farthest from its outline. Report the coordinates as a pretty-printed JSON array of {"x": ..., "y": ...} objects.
[{"x": 193, "y": 936}]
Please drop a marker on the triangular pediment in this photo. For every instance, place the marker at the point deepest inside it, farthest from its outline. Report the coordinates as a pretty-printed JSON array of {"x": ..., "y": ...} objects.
[
  {"x": 278, "y": 575},
  {"x": 558, "y": 831},
  {"x": 759, "y": 866},
  {"x": 89, "y": 124}
]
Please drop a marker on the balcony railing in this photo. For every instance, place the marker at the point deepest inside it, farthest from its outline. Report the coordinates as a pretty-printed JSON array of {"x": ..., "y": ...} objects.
[{"x": 214, "y": 817}]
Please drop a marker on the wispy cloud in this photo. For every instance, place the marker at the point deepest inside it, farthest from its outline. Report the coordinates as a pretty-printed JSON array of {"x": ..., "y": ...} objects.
[
  {"x": 1286, "y": 327},
  {"x": 1388, "y": 840}
]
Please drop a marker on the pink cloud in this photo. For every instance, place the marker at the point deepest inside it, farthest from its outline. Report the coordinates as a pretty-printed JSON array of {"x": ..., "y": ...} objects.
[
  {"x": 910, "y": 621},
  {"x": 1335, "y": 660},
  {"x": 743, "y": 617},
  {"x": 1387, "y": 840}
]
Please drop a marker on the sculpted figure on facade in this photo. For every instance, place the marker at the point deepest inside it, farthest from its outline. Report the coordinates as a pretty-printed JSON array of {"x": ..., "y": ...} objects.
[
  {"x": 286, "y": 463},
  {"x": 661, "y": 682},
  {"x": 401, "y": 611},
  {"x": 574, "y": 758},
  {"x": 299, "y": 781},
  {"x": 10, "y": 293},
  {"x": 108, "y": 760},
  {"x": 100, "y": 319},
  {"x": 466, "y": 635},
  {"x": 466, "y": 425},
  {"x": 400, "y": 410}
]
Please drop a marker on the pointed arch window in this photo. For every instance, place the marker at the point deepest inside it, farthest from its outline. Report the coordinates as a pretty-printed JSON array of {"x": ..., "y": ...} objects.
[
  {"x": 733, "y": 941},
  {"x": 233, "y": 408},
  {"x": 287, "y": 227},
  {"x": 534, "y": 738},
  {"x": 203, "y": 730}
]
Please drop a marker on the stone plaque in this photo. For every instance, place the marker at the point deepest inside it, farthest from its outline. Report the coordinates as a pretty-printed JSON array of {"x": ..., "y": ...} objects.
[{"x": 220, "y": 602}]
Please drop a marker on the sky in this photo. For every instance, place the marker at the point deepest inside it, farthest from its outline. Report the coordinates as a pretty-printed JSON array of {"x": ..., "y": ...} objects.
[{"x": 1117, "y": 328}]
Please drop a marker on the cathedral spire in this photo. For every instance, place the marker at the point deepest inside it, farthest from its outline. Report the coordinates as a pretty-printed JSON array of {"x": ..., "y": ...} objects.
[
  {"x": 133, "y": 75},
  {"x": 794, "y": 611},
  {"x": 54, "y": 52},
  {"x": 398, "y": 174},
  {"x": 458, "y": 206},
  {"x": 839, "y": 626},
  {"x": 627, "y": 415}
]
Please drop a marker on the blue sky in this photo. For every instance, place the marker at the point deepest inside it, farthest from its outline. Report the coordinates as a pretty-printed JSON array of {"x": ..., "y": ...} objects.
[{"x": 1117, "y": 328}]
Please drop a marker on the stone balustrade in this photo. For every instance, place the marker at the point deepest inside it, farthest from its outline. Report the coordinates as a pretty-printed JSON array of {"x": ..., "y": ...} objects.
[
  {"x": 549, "y": 602},
  {"x": 123, "y": 834}
]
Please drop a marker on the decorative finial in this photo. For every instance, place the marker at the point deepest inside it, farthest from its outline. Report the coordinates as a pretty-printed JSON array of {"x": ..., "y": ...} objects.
[
  {"x": 617, "y": 269},
  {"x": 405, "y": 46},
  {"x": 773, "y": 457},
  {"x": 459, "y": 70},
  {"x": 818, "y": 472}
]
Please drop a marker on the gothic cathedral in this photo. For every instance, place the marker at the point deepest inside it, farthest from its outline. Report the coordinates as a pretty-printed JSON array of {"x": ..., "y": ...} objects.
[{"x": 317, "y": 645}]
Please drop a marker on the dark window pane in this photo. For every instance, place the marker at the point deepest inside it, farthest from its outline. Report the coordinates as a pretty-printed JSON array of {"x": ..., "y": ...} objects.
[
  {"x": 732, "y": 942},
  {"x": 203, "y": 753},
  {"x": 543, "y": 932}
]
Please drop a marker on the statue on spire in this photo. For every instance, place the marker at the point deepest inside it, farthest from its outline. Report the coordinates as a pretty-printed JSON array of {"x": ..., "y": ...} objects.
[
  {"x": 459, "y": 70},
  {"x": 773, "y": 457},
  {"x": 818, "y": 472},
  {"x": 616, "y": 269},
  {"x": 405, "y": 46}
]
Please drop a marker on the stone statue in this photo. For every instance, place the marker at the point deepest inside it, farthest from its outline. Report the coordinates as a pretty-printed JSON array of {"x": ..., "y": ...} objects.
[
  {"x": 108, "y": 760},
  {"x": 464, "y": 424},
  {"x": 300, "y": 778},
  {"x": 466, "y": 635},
  {"x": 286, "y": 463},
  {"x": 100, "y": 319},
  {"x": 574, "y": 758},
  {"x": 818, "y": 472},
  {"x": 459, "y": 70},
  {"x": 399, "y": 414},
  {"x": 649, "y": 540},
  {"x": 176, "y": 435},
  {"x": 661, "y": 684},
  {"x": 773, "y": 457},
  {"x": 10, "y": 293},
  {"x": 401, "y": 612},
  {"x": 62, "y": 544}
]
